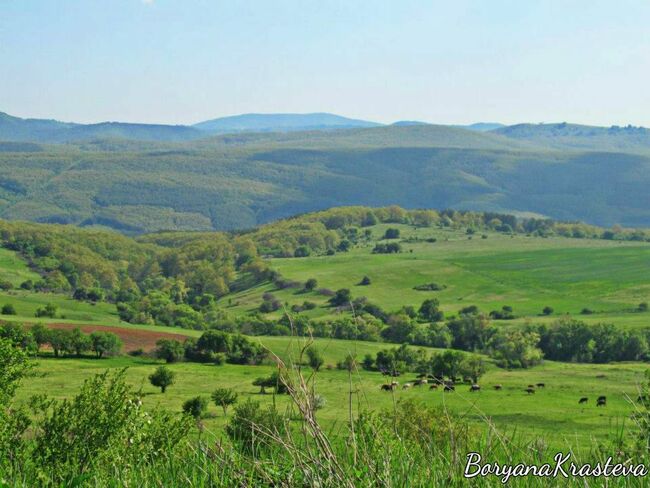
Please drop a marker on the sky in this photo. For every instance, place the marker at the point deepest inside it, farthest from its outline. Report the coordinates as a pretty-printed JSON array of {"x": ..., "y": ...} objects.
[{"x": 448, "y": 62}]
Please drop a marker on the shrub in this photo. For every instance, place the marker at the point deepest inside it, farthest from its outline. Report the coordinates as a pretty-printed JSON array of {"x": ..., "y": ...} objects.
[
  {"x": 341, "y": 297},
  {"x": 316, "y": 359},
  {"x": 311, "y": 284},
  {"x": 196, "y": 407},
  {"x": 162, "y": 378},
  {"x": 586, "y": 311},
  {"x": 548, "y": 311},
  {"x": 8, "y": 309},
  {"x": 48, "y": 311},
  {"x": 643, "y": 307},
  {"x": 247, "y": 427},
  {"x": 6, "y": 285},
  {"x": 365, "y": 281}
]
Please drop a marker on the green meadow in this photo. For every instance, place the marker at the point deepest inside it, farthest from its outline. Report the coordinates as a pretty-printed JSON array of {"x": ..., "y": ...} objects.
[{"x": 528, "y": 273}]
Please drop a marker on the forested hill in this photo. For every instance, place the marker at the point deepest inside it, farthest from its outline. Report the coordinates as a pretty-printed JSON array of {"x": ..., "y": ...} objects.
[{"x": 237, "y": 181}]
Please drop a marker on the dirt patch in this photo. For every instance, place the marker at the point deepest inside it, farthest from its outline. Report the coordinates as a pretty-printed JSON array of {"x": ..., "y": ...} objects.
[{"x": 133, "y": 339}]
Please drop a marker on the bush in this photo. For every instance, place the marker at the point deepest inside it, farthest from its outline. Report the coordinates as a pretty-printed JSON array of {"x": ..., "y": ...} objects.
[
  {"x": 48, "y": 311},
  {"x": 316, "y": 359},
  {"x": 586, "y": 311},
  {"x": 162, "y": 378},
  {"x": 105, "y": 344},
  {"x": 341, "y": 297},
  {"x": 196, "y": 407},
  {"x": 311, "y": 284},
  {"x": 6, "y": 285},
  {"x": 643, "y": 307},
  {"x": 250, "y": 422},
  {"x": 365, "y": 281},
  {"x": 429, "y": 287},
  {"x": 548, "y": 311},
  {"x": 8, "y": 309}
]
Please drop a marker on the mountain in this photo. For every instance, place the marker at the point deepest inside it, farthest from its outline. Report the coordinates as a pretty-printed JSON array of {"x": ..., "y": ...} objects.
[
  {"x": 237, "y": 181},
  {"x": 280, "y": 123},
  {"x": 580, "y": 137},
  {"x": 52, "y": 131}
]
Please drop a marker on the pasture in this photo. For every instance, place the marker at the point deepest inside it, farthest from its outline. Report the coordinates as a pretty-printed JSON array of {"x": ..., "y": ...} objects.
[
  {"x": 551, "y": 413},
  {"x": 527, "y": 273}
]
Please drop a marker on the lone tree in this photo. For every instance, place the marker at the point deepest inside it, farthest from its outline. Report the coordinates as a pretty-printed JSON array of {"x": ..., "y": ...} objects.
[
  {"x": 224, "y": 397},
  {"x": 315, "y": 358},
  {"x": 162, "y": 378},
  {"x": 548, "y": 311}
]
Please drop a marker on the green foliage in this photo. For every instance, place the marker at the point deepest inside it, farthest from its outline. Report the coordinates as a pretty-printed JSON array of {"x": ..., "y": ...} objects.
[
  {"x": 163, "y": 377},
  {"x": 103, "y": 425},
  {"x": 315, "y": 358},
  {"x": 196, "y": 407},
  {"x": 224, "y": 398},
  {"x": 105, "y": 344},
  {"x": 170, "y": 350},
  {"x": 8, "y": 309},
  {"x": 48, "y": 310}
]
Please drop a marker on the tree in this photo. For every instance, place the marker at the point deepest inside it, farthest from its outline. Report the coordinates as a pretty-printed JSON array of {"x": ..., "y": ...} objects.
[
  {"x": 272, "y": 381},
  {"x": 349, "y": 363},
  {"x": 60, "y": 341},
  {"x": 41, "y": 335},
  {"x": 105, "y": 344},
  {"x": 224, "y": 397},
  {"x": 311, "y": 284},
  {"x": 548, "y": 310},
  {"x": 429, "y": 310},
  {"x": 170, "y": 350},
  {"x": 315, "y": 358},
  {"x": 8, "y": 309},
  {"x": 162, "y": 378},
  {"x": 79, "y": 341},
  {"x": 473, "y": 367},
  {"x": 196, "y": 407},
  {"x": 302, "y": 252},
  {"x": 341, "y": 297},
  {"x": 391, "y": 233},
  {"x": 365, "y": 281}
]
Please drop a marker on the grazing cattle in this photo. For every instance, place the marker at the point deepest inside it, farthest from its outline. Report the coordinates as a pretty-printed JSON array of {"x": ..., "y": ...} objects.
[
  {"x": 601, "y": 376},
  {"x": 530, "y": 391},
  {"x": 602, "y": 402},
  {"x": 474, "y": 388},
  {"x": 602, "y": 398},
  {"x": 582, "y": 400},
  {"x": 420, "y": 382},
  {"x": 450, "y": 388},
  {"x": 394, "y": 383},
  {"x": 433, "y": 387},
  {"x": 531, "y": 386},
  {"x": 541, "y": 385},
  {"x": 421, "y": 375},
  {"x": 497, "y": 387},
  {"x": 406, "y": 386},
  {"x": 387, "y": 387},
  {"x": 458, "y": 380}
]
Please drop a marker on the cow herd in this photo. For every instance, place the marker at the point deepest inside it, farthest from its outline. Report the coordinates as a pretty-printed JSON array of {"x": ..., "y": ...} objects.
[{"x": 450, "y": 384}]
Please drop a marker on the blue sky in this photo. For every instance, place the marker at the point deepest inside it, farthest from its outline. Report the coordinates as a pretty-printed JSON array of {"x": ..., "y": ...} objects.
[{"x": 183, "y": 61}]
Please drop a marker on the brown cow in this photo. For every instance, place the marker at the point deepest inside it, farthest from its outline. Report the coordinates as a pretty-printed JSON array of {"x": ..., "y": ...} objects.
[
  {"x": 433, "y": 387},
  {"x": 387, "y": 387}
]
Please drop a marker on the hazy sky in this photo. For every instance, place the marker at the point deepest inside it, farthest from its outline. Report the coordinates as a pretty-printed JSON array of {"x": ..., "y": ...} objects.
[{"x": 182, "y": 61}]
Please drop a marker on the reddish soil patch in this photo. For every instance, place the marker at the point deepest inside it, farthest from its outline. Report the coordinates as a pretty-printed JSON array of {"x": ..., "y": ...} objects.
[{"x": 133, "y": 339}]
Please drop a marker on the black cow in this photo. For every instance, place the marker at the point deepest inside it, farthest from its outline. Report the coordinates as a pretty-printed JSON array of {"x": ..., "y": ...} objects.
[{"x": 583, "y": 400}]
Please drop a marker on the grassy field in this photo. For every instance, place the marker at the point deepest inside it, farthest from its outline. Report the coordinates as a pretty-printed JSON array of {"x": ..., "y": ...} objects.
[
  {"x": 527, "y": 273},
  {"x": 551, "y": 413}
]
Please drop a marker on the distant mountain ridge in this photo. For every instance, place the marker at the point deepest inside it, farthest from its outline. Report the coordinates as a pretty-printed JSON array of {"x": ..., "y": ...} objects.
[{"x": 280, "y": 123}]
